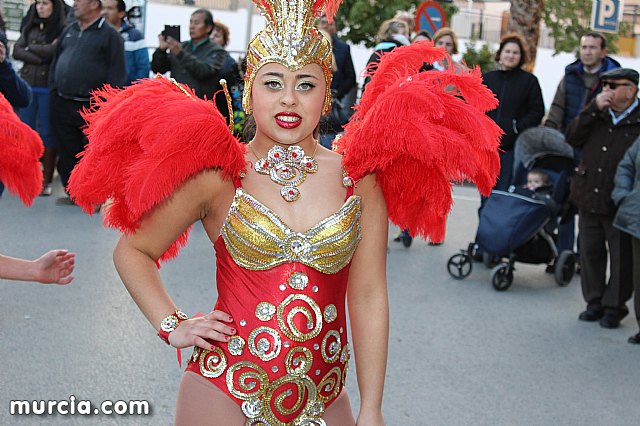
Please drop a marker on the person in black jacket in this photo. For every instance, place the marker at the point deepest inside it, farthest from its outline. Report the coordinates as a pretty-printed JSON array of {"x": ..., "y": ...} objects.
[
  {"x": 520, "y": 100},
  {"x": 90, "y": 53}
]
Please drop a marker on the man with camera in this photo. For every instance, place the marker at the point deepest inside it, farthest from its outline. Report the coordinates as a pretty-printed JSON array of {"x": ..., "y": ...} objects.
[{"x": 196, "y": 62}]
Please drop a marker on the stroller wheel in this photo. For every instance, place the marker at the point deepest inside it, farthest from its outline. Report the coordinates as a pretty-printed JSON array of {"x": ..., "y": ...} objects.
[
  {"x": 459, "y": 266},
  {"x": 565, "y": 268},
  {"x": 489, "y": 260},
  {"x": 501, "y": 277}
]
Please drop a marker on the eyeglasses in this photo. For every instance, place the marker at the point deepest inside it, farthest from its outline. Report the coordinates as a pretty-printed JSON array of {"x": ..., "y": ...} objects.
[{"x": 613, "y": 85}]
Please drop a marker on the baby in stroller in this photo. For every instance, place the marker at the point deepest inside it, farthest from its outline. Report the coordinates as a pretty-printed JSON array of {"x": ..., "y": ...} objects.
[{"x": 520, "y": 224}]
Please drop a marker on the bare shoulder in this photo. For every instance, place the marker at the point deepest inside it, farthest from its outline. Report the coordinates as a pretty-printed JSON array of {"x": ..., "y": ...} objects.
[{"x": 368, "y": 187}]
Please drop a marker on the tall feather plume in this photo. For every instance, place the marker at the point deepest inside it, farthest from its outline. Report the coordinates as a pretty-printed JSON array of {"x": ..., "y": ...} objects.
[
  {"x": 21, "y": 149},
  {"x": 418, "y": 131},
  {"x": 144, "y": 142}
]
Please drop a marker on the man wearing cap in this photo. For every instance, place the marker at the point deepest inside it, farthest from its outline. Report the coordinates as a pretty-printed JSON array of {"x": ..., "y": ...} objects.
[{"x": 604, "y": 130}]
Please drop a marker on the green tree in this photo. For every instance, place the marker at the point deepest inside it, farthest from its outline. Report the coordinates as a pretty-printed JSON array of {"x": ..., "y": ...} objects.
[
  {"x": 569, "y": 20},
  {"x": 482, "y": 57}
]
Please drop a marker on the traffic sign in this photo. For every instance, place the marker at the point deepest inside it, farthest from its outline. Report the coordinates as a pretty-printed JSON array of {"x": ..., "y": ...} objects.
[
  {"x": 605, "y": 15},
  {"x": 430, "y": 17}
]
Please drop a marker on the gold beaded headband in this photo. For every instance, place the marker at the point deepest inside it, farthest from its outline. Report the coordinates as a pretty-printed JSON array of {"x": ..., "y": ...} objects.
[{"x": 290, "y": 39}]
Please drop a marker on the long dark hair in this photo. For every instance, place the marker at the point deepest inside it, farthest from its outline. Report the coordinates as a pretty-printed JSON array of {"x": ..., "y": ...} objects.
[{"x": 53, "y": 25}]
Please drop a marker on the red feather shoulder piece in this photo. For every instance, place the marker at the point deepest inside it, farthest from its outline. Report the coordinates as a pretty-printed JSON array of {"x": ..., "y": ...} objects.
[
  {"x": 418, "y": 131},
  {"x": 144, "y": 142},
  {"x": 21, "y": 149}
]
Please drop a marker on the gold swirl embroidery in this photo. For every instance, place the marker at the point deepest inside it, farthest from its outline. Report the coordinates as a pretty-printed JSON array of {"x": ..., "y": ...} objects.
[
  {"x": 298, "y": 361},
  {"x": 305, "y": 390},
  {"x": 250, "y": 384},
  {"x": 329, "y": 386},
  {"x": 212, "y": 363},
  {"x": 314, "y": 320},
  {"x": 264, "y": 349},
  {"x": 331, "y": 353}
]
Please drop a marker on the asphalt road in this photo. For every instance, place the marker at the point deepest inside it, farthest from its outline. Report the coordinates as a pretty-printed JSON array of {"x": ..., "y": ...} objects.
[{"x": 460, "y": 352}]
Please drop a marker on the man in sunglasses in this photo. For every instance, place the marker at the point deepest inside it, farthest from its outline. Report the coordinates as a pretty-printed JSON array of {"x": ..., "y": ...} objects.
[{"x": 604, "y": 130}]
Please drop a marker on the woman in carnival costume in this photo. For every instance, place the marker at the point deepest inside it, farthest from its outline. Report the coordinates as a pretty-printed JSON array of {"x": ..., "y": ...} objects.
[{"x": 296, "y": 227}]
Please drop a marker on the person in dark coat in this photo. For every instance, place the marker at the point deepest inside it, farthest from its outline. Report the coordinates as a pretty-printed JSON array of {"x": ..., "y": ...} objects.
[
  {"x": 521, "y": 105},
  {"x": 604, "y": 130},
  {"x": 626, "y": 196},
  {"x": 36, "y": 48}
]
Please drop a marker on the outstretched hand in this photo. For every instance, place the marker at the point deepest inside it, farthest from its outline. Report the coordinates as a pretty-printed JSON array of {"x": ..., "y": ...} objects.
[
  {"x": 55, "y": 267},
  {"x": 195, "y": 331}
]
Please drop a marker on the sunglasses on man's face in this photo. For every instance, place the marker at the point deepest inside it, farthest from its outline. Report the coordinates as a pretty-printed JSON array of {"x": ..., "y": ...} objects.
[{"x": 613, "y": 85}]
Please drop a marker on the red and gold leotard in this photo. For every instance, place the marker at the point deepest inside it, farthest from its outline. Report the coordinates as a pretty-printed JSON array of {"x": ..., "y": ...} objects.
[{"x": 285, "y": 291}]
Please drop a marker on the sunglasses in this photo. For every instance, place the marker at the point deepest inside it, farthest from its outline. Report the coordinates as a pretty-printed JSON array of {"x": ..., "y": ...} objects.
[{"x": 613, "y": 85}]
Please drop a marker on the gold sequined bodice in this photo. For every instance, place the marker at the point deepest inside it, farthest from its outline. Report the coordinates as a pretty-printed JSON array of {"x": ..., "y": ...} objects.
[{"x": 258, "y": 239}]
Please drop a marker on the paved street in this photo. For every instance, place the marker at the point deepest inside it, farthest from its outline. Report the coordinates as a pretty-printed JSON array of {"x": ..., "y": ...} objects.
[{"x": 460, "y": 352}]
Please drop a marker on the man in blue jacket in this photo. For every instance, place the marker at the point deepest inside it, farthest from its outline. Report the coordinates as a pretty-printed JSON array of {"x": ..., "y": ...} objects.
[{"x": 135, "y": 48}]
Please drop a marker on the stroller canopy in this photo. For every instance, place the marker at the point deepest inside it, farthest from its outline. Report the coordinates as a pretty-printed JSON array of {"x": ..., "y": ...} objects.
[{"x": 537, "y": 142}]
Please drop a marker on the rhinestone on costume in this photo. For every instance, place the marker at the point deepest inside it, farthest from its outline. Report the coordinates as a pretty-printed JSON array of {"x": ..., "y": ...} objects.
[
  {"x": 236, "y": 345},
  {"x": 283, "y": 287},
  {"x": 316, "y": 346},
  {"x": 330, "y": 313},
  {"x": 296, "y": 246},
  {"x": 265, "y": 311},
  {"x": 346, "y": 354},
  {"x": 318, "y": 372},
  {"x": 243, "y": 323},
  {"x": 252, "y": 408},
  {"x": 316, "y": 409},
  {"x": 347, "y": 182},
  {"x": 286, "y": 344},
  {"x": 274, "y": 368},
  {"x": 298, "y": 280},
  {"x": 314, "y": 288}
]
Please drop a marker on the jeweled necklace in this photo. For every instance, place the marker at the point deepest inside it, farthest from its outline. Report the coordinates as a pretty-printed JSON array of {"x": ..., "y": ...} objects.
[{"x": 287, "y": 167}]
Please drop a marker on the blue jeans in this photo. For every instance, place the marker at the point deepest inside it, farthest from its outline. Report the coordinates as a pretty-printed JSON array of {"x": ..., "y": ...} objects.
[{"x": 38, "y": 116}]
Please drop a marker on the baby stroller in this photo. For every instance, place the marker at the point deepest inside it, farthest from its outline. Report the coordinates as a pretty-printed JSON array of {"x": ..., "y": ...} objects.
[{"x": 516, "y": 225}]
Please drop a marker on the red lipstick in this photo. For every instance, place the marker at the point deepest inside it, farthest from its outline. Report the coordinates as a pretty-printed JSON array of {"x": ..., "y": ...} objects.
[{"x": 288, "y": 120}]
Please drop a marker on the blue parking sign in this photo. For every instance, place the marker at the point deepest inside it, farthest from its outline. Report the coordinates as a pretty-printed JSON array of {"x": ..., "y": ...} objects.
[{"x": 605, "y": 15}]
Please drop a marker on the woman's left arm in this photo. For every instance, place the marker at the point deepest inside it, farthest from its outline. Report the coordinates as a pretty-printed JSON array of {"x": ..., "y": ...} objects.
[{"x": 368, "y": 302}]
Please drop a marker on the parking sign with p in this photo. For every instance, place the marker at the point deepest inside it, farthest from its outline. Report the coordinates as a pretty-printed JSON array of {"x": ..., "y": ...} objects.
[{"x": 605, "y": 15}]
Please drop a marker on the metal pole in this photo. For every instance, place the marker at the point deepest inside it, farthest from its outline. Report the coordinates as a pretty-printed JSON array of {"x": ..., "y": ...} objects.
[{"x": 249, "y": 20}]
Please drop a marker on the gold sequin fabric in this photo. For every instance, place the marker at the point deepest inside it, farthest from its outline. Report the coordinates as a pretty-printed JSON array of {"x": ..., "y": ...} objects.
[{"x": 258, "y": 239}]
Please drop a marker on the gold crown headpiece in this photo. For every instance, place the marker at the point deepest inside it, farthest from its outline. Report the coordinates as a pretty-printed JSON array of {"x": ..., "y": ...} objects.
[{"x": 290, "y": 39}]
